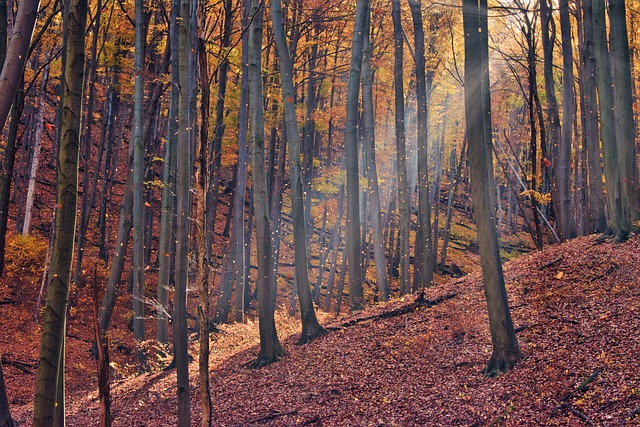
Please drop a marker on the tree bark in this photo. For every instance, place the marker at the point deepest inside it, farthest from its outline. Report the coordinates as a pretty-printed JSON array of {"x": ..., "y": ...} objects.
[
  {"x": 625, "y": 126},
  {"x": 404, "y": 200},
  {"x": 5, "y": 414},
  {"x": 372, "y": 171},
  {"x": 183, "y": 186},
  {"x": 353, "y": 246},
  {"x": 50, "y": 375},
  {"x": 270, "y": 348},
  {"x": 506, "y": 352}
]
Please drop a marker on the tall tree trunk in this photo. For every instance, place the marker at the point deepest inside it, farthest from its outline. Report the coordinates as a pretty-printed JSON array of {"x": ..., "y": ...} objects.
[
  {"x": 204, "y": 252},
  {"x": 137, "y": 263},
  {"x": 591, "y": 136},
  {"x": 183, "y": 180},
  {"x": 215, "y": 156},
  {"x": 506, "y": 351},
  {"x": 427, "y": 259},
  {"x": 5, "y": 415},
  {"x": 372, "y": 170},
  {"x": 8, "y": 161},
  {"x": 239, "y": 195},
  {"x": 166, "y": 255},
  {"x": 270, "y": 348},
  {"x": 16, "y": 55},
  {"x": 404, "y": 198},
  {"x": 50, "y": 376},
  {"x": 311, "y": 329},
  {"x": 560, "y": 148},
  {"x": 625, "y": 126},
  {"x": 35, "y": 159},
  {"x": 607, "y": 122},
  {"x": 353, "y": 247}
]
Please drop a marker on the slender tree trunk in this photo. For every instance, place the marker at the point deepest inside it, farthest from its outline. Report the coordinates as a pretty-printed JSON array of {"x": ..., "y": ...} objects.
[
  {"x": 353, "y": 246},
  {"x": 423, "y": 84},
  {"x": 404, "y": 203},
  {"x": 37, "y": 144},
  {"x": 590, "y": 131},
  {"x": 50, "y": 376},
  {"x": 334, "y": 245},
  {"x": 506, "y": 352},
  {"x": 183, "y": 178},
  {"x": 8, "y": 161},
  {"x": 168, "y": 207},
  {"x": 454, "y": 181},
  {"x": 270, "y": 348},
  {"x": 16, "y": 55},
  {"x": 372, "y": 171},
  {"x": 5, "y": 415},
  {"x": 137, "y": 263}
]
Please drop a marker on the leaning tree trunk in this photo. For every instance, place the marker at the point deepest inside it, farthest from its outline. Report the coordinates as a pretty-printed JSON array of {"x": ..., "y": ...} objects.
[
  {"x": 270, "y": 348},
  {"x": 353, "y": 247},
  {"x": 49, "y": 398},
  {"x": 311, "y": 329},
  {"x": 506, "y": 351},
  {"x": 404, "y": 197},
  {"x": 16, "y": 55}
]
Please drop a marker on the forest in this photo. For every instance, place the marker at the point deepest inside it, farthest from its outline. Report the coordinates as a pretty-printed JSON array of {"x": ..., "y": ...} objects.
[{"x": 338, "y": 212}]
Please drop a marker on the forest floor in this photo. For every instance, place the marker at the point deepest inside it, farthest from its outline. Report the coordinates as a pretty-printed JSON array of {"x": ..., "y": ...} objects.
[{"x": 576, "y": 307}]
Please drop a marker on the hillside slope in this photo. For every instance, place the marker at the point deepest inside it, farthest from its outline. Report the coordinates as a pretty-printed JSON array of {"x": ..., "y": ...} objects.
[{"x": 577, "y": 307}]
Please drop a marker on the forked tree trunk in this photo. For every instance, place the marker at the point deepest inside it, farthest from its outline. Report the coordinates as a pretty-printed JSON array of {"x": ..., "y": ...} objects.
[{"x": 506, "y": 352}]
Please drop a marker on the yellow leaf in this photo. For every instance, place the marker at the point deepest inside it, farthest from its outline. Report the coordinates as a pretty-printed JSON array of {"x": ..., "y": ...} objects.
[{"x": 559, "y": 275}]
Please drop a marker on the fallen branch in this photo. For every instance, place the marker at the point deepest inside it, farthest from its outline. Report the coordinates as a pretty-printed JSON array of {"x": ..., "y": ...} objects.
[
  {"x": 550, "y": 263},
  {"x": 580, "y": 389},
  {"x": 578, "y": 414},
  {"x": 632, "y": 415},
  {"x": 9, "y": 301},
  {"x": 271, "y": 416},
  {"x": 24, "y": 367},
  {"x": 421, "y": 301}
]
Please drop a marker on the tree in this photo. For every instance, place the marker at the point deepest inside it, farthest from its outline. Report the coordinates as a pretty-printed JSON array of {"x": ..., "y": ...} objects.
[
  {"x": 183, "y": 208},
  {"x": 137, "y": 264},
  {"x": 49, "y": 397},
  {"x": 311, "y": 329},
  {"x": 372, "y": 170},
  {"x": 506, "y": 352},
  {"x": 423, "y": 84},
  {"x": 404, "y": 200},
  {"x": 616, "y": 226},
  {"x": 625, "y": 126},
  {"x": 270, "y": 348},
  {"x": 352, "y": 242},
  {"x": 5, "y": 415},
  {"x": 590, "y": 129}
]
